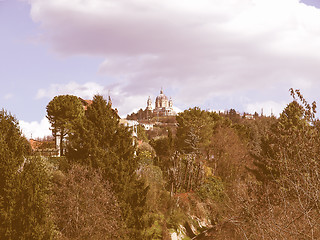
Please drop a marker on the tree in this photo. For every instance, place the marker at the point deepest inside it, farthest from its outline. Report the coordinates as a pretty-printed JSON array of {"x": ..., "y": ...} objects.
[
  {"x": 195, "y": 128},
  {"x": 12, "y": 154},
  {"x": 99, "y": 141},
  {"x": 93, "y": 141},
  {"x": 141, "y": 132},
  {"x": 286, "y": 202},
  {"x": 230, "y": 155},
  {"x": 281, "y": 142},
  {"x": 62, "y": 111},
  {"x": 84, "y": 206},
  {"x": 23, "y": 186},
  {"x": 32, "y": 213},
  {"x": 186, "y": 173},
  {"x": 162, "y": 147},
  {"x": 233, "y": 115}
]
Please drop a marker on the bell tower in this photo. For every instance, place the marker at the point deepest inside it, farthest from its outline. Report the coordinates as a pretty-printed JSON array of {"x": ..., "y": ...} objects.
[
  {"x": 149, "y": 104},
  {"x": 170, "y": 103}
]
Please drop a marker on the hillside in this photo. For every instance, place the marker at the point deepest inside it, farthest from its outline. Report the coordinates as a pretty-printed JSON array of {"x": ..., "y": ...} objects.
[{"x": 199, "y": 175}]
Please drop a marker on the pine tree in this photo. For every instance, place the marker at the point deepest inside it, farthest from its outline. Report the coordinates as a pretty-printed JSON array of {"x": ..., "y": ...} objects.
[
  {"x": 284, "y": 142},
  {"x": 62, "y": 111},
  {"x": 288, "y": 171},
  {"x": 23, "y": 186},
  {"x": 195, "y": 129},
  {"x": 101, "y": 142},
  {"x": 12, "y": 153},
  {"x": 31, "y": 219}
]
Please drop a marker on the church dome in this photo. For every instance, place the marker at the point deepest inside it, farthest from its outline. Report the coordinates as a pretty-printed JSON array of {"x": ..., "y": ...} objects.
[
  {"x": 163, "y": 106},
  {"x": 161, "y": 96}
]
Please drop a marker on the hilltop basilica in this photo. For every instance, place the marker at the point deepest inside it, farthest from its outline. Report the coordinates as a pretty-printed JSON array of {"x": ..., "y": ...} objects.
[{"x": 163, "y": 106}]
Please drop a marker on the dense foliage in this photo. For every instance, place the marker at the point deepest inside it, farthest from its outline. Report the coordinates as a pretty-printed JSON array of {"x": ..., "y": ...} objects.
[
  {"x": 99, "y": 141},
  {"x": 288, "y": 170},
  {"x": 24, "y": 185},
  {"x": 215, "y": 175},
  {"x": 62, "y": 111}
]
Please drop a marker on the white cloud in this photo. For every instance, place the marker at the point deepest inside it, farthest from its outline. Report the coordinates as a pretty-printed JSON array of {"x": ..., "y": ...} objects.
[
  {"x": 202, "y": 48},
  {"x": 8, "y": 96},
  {"x": 35, "y": 129},
  {"x": 124, "y": 102},
  {"x": 86, "y": 91}
]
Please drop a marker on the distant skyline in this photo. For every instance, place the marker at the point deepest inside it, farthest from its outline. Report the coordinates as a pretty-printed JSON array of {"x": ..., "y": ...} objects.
[{"x": 241, "y": 54}]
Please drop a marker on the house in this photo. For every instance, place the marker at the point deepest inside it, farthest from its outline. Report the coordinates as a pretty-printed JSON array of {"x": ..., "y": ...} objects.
[
  {"x": 132, "y": 124},
  {"x": 147, "y": 126},
  {"x": 44, "y": 147}
]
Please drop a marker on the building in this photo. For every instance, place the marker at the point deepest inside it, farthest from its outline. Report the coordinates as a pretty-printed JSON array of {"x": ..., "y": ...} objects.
[
  {"x": 132, "y": 125},
  {"x": 147, "y": 126},
  {"x": 44, "y": 147},
  {"x": 85, "y": 103},
  {"x": 163, "y": 105}
]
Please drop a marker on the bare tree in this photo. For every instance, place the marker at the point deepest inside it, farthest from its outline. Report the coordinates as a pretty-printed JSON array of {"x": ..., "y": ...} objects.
[{"x": 84, "y": 207}]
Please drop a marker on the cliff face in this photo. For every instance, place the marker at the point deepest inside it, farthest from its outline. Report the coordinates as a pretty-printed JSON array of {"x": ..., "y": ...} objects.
[{"x": 191, "y": 217}]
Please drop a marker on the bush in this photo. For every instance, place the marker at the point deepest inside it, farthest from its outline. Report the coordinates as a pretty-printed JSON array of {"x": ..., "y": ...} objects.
[
  {"x": 176, "y": 218},
  {"x": 212, "y": 188},
  {"x": 155, "y": 231}
]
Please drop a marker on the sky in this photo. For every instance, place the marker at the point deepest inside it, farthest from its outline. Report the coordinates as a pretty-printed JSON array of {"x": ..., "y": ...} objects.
[{"x": 241, "y": 54}]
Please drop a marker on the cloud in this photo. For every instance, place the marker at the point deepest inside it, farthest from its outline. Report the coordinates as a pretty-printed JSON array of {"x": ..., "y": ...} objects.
[
  {"x": 35, "y": 129},
  {"x": 199, "y": 49},
  {"x": 8, "y": 96},
  {"x": 86, "y": 91},
  {"x": 123, "y": 101}
]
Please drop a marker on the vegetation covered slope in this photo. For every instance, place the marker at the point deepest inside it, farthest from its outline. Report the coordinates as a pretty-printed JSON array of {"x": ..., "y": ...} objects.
[{"x": 213, "y": 176}]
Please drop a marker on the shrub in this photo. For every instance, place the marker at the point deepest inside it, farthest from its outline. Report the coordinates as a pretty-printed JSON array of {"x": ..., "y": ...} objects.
[{"x": 212, "y": 188}]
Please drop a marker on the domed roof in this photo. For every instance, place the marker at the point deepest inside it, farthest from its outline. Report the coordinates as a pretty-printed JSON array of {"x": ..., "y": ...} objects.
[{"x": 161, "y": 96}]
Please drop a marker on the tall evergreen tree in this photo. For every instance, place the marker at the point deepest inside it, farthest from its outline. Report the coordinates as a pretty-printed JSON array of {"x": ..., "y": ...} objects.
[
  {"x": 23, "y": 186},
  {"x": 32, "y": 214},
  {"x": 195, "y": 129},
  {"x": 284, "y": 142},
  {"x": 12, "y": 154},
  {"x": 288, "y": 167},
  {"x": 100, "y": 141}
]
